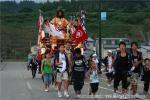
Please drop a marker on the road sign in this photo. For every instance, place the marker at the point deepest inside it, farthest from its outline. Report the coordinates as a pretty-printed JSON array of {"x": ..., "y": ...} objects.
[{"x": 103, "y": 16}]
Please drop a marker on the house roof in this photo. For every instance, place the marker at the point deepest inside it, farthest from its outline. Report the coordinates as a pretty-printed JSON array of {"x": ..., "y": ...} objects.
[
  {"x": 90, "y": 39},
  {"x": 146, "y": 47}
]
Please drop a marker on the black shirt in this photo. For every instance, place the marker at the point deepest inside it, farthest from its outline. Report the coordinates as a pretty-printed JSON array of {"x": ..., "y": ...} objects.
[
  {"x": 78, "y": 64},
  {"x": 122, "y": 64},
  {"x": 146, "y": 73}
]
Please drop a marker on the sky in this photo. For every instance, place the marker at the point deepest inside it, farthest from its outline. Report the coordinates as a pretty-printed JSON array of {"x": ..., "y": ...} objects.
[{"x": 33, "y": 0}]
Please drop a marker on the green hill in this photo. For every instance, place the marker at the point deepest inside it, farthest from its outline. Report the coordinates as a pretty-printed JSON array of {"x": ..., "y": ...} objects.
[{"x": 18, "y": 27}]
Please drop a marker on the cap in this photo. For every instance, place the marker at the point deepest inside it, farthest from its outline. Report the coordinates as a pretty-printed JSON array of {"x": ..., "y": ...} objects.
[
  {"x": 109, "y": 51},
  {"x": 94, "y": 55}
]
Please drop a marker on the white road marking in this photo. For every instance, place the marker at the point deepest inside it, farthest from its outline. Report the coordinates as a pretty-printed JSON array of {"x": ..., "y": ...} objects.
[
  {"x": 29, "y": 86},
  {"x": 105, "y": 88},
  {"x": 140, "y": 97}
]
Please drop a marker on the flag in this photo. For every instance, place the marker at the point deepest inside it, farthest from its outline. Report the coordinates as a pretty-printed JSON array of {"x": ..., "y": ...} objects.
[
  {"x": 40, "y": 22},
  {"x": 79, "y": 34}
]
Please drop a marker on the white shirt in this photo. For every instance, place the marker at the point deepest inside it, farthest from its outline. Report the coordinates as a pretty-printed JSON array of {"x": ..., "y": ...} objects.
[
  {"x": 62, "y": 59},
  {"x": 110, "y": 69},
  {"x": 109, "y": 61}
]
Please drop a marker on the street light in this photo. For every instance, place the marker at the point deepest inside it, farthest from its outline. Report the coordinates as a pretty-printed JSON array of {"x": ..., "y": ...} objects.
[
  {"x": 103, "y": 17},
  {"x": 99, "y": 30}
]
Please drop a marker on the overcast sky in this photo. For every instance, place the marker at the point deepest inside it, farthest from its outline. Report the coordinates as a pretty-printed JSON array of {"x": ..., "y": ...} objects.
[{"x": 33, "y": 0}]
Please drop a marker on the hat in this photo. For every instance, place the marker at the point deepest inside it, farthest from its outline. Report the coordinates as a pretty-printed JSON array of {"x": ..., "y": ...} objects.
[
  {"x": 94, "y": 55},
  {"x": 109, "y": 51}
]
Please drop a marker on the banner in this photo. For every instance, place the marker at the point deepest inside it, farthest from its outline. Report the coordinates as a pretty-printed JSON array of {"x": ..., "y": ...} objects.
[{"x": 79, "y": 35}]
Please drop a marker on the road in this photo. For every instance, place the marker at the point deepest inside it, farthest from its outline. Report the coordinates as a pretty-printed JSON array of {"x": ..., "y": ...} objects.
[{"x": 16, "y": 83}]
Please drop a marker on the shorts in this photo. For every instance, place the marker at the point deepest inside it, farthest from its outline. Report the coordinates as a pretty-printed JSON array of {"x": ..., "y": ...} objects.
[
  {"x": 94, "y": 87},
  {"x": 47, "y": 78},
  {"x": 62, "y": 76},
  {"x": 134, "y": 78}
]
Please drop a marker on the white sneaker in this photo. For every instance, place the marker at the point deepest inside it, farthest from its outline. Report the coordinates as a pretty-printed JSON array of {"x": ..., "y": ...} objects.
[
  {"x": 59, "y": 94},
  {"x": 66, "y": 94},
  {"x": 46, "y": 90},
  {"x": 78, "y": 96}
]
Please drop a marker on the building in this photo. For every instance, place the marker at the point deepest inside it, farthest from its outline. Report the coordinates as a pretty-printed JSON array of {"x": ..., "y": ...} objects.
[
  {"x": 145, "y": 51},
  {"x": 110, "y": 44}
]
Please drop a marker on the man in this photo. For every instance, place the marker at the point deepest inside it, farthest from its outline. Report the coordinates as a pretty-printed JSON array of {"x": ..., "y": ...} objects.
[
  {"x": 29, "y": 59},
  {"x": 121, "y": 67},
  {"x": 59, "y": 22},
  {"x": 108, "y": 61},
  {"x": 78, "y": 71},
  {"x": 61, "y": 63},
  {"x": 69, "y": 54},
  {"x": 34, "y": 64},
  {"x": 137, "y": 60}
]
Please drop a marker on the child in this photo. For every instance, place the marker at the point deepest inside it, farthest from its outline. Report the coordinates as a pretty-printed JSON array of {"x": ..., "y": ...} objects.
[
  {"x": 78, "y": 71},
  {"x": 108, "y": 61},
  {"x": 47, "y": 70},
  {"x": 146, "y": 76},
  {"x": 92, "y": 74}
]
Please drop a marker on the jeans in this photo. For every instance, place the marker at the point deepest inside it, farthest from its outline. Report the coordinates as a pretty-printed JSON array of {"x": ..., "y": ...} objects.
[{"x": 47, "y": 78}]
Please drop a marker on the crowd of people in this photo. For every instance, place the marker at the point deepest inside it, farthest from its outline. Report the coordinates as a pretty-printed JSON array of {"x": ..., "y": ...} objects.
[
  {"x": 64, "y": 63},
  {"x": 127, "y": 66},
  {"x": 69, "y": 66}
]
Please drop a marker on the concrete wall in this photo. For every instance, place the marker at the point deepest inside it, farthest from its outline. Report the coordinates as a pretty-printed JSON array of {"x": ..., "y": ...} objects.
[{"x": 146, "y": 53}]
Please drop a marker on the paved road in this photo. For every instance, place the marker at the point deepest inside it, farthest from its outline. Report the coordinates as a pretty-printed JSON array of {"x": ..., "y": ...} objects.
[{"x": 16, "y": 83}]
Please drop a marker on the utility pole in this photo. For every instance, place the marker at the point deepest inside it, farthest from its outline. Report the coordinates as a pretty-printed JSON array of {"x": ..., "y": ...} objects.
[
  {"x": 100, "y": 36},
  {"x": 0, "y": 48}
]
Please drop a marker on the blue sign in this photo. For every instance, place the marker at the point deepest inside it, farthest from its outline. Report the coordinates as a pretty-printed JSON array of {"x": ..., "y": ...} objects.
[{"x": 103, "y": 16}]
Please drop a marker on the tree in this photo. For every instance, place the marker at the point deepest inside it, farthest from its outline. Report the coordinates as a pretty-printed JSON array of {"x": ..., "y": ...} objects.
[{"x": 26, "y": 10}]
